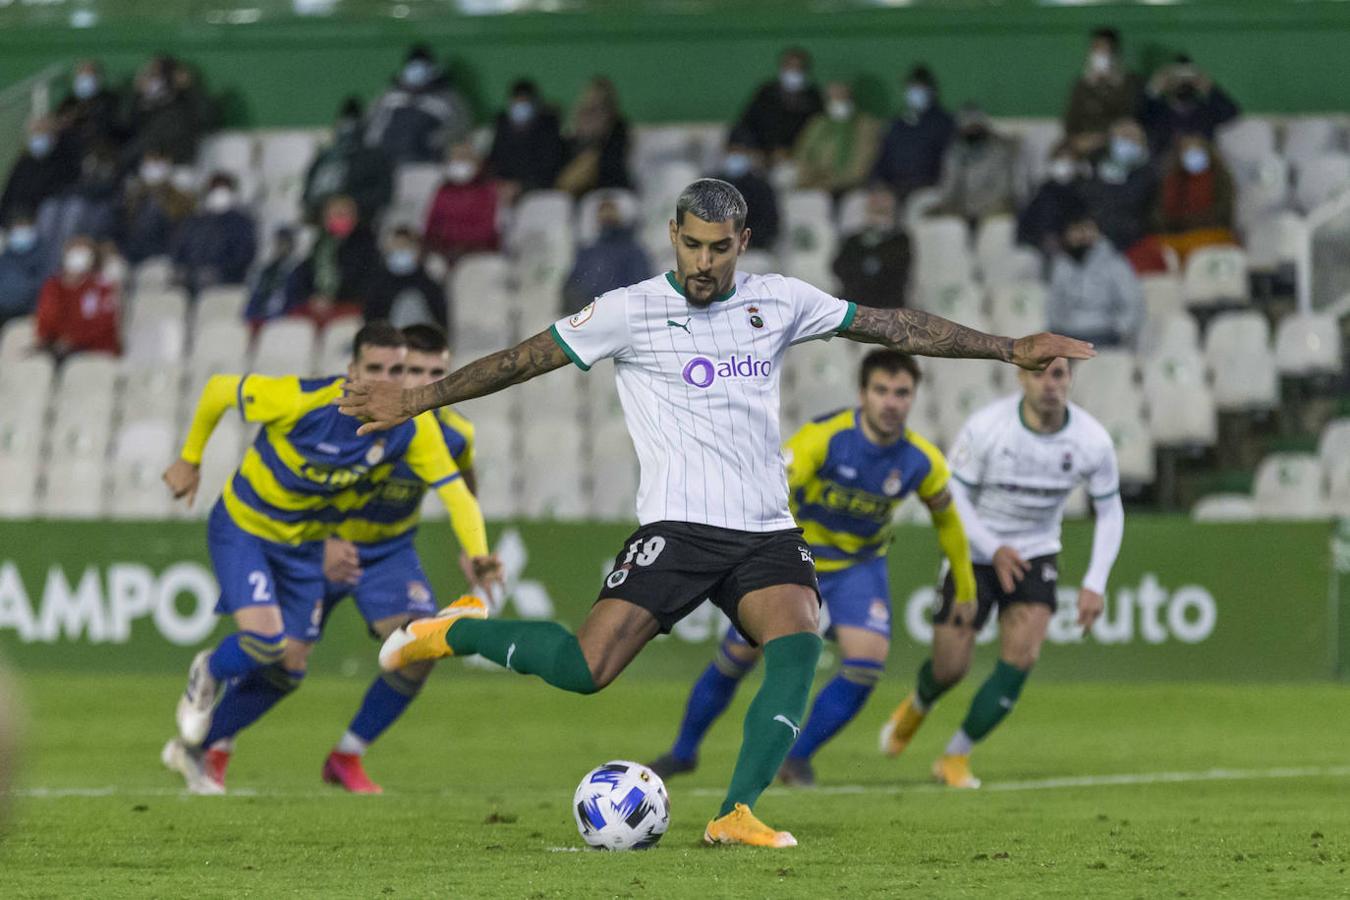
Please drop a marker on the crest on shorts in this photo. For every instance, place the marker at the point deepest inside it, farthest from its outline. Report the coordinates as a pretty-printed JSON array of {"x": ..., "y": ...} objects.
[
  {"x": 891, "y": 486},
  {"x": 418, "y": 592},
  {"x": 879, "y": 612},
  {"x": 583, "y": 316},
  {"x": 375, "y": 453},
  {"x": 755, "y": 319},
  {"x": 618, "y": 576}
]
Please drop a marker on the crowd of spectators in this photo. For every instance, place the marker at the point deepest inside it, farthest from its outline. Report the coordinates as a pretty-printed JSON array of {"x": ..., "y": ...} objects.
[{"x": 108, "y": 180}]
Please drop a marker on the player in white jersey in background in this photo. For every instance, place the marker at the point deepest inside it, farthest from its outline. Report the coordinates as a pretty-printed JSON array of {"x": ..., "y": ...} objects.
[
  {"x": 1013, "y": 466},
  {"x": 697, "y": 353}
]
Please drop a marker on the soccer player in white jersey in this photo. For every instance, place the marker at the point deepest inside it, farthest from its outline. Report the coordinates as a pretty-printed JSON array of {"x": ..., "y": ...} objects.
[
  {"x": 697, "y": 353},
  {"x": 1013, "y": 466}
]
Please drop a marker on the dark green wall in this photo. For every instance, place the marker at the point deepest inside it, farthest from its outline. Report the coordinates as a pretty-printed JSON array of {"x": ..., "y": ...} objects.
[{"x": 1275, "y": 57}]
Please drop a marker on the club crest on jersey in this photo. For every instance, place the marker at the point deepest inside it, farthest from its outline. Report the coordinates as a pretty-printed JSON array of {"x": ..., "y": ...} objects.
[
  {"x": 583, "y": 316},
  {"x": 375, "y": 453},
  {"x": 755, "y": 319},
  {"x": 891, "y": 486},
  {"x": 1066, "y": 464}
]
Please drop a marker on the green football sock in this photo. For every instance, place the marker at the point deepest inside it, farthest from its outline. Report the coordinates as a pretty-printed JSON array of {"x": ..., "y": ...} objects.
[
  {"x": 545, "y": 649},
  {"x": 994, "y": 700},
  {"x": 928, "y": 690},
  {"x": 774, "y": 719}
]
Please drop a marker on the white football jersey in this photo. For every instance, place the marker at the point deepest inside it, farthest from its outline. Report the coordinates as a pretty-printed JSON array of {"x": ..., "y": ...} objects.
[
  {"x": 1019, "y": 479},
  {"x": 699, "y": 389}
]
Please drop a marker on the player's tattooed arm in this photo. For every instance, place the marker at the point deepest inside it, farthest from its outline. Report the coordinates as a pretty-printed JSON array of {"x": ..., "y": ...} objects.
[
  {"x": 385, "y": 405},
  {"x": 924, "y": 334}
]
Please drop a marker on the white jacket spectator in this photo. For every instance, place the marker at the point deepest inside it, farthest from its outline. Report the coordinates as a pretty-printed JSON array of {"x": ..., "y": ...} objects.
[{"x": 1094, "y": 294}]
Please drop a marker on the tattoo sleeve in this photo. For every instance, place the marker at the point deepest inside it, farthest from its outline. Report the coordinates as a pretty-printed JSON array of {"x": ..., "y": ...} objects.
[
  {"x": 492, "y": 373},
  {"x": 924, "y": 334}
]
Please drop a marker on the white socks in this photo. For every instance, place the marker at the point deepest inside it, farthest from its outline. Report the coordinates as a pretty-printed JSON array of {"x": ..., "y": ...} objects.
[
  {"x": 350, "y": 743},
  {"x": 960, "y": 744}
]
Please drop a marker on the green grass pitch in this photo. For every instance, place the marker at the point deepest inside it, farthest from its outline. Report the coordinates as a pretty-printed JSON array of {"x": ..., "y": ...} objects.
[{"x": 1090, "y": 791}]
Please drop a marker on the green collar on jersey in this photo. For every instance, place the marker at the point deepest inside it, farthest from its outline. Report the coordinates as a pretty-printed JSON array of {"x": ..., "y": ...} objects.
[
  {"x": 679, "y": 289},
  {"x": 1022, "y": 417}
]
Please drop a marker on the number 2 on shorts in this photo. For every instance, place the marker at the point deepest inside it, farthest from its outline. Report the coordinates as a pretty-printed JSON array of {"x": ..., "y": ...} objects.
[{"x": 261, "y": 594}]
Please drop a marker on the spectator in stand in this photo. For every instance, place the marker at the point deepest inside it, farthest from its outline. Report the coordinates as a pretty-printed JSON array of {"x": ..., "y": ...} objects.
[
  {"x": 1122, "y": 192},
  {"x": 977, "y": 172},
  {"x": 218, "y": 243},
  {"x": 1195, "y": 202},
  {"x": 152, "y": 209},
  {"x": 1183, "y": 99},
  {"x": 743, "y": 167},
  {"x": 47, "y": 166},
  {"x": 91, "y": 114},
  {"x": 78, "y": 309},
  {"x": 348, "y": 167},
  {"x": 402, "y": 292},
  {"x": 169, "y": 112},
  {"x": 873, "y": 264},
  {"x": 337, "y": 278},
  {"x": 1041, "y": 222},
  {"x": 614, "y": 260},
  {"x": 90, "y": 207},
  {"x": 781, "y": 108},
  {"x": 838, "y": 147},
  {"x": 527, "y": 146},
  {"x": 420, "y": 114},
  {"x": 1104, "y": 93},
  {"x": 267, "y": 297},
  {"x": 463, "y": 214},
  {"x": 21, "y": 268},
  {"x": 1094, "y": 294},
  {"x": 913, "y": 149},
  {"x": 597, "y": 142}
]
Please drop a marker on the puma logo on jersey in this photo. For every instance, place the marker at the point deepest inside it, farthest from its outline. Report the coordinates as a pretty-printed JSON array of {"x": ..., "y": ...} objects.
[
  {"x": 671, "y": 323},
  {"x": 789, "y": 723}
]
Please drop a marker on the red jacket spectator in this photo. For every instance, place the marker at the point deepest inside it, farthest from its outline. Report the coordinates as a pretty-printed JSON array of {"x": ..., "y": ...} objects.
[
  {"x": 78, "y": 309},
  {"x": 463, "y": 216}
]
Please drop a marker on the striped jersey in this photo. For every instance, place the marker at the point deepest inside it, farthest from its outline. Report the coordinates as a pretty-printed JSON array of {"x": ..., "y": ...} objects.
[
  {"x": 845, "y": 489},
  {"x": 699, "y": 390},
  {"x": 308, "y": 469},
  {"x": 1020, "y": 479},
  {"x": 393, "y": 506}
]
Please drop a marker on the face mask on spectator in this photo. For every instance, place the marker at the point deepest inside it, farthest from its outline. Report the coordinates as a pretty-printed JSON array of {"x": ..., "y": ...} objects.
[
  {"x": 219, "y": 199},
  {"x": 737, "y": 164},
  {"x": 1077, "y": 251},
  {"x": 1195, "y": 160},
  {"x": 792, "y": 80},
  {"x": 839, "y": 110},
  {"x": 78, "y": 261},
  {"x": 85, "y": 85},
  {"x": 521, "y": 111},
  {"x": 40, "y": 145},
  {"x": 22, "y": 238},
  {"x": 401, "y": 262},
  {"x": 461, "y": 171},
  {"x": 340, "y": 225},
  {"x": 154, "y": 171},
  {"x": 1126, "y": 151},
  {"x": 917, "y": 97},
  {"x": 1100, "y": 62},
  {"x": 153, "y": 88},
  {"x": 1062, "y": 170},
  {"x": 417, "y": 73}
]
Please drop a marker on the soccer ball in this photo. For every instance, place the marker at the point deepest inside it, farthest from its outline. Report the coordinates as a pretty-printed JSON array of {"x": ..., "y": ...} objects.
[{"x": 621, "y": 806}]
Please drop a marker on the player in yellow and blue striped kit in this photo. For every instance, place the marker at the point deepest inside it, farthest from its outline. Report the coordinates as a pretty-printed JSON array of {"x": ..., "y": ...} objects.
[
  {"x": 306, "y": 471},
  {"x": 847, "y": 473}
]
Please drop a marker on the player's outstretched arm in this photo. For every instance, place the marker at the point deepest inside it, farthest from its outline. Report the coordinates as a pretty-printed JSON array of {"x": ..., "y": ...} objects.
[
  {"x": 924, "y": 334},
  {"x": 184, "y": 475},
  {"x": 386, "y": 405}
]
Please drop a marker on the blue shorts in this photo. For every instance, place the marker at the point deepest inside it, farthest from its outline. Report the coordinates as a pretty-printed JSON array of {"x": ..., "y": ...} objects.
[
  {"x": 255, "y": 572},
  {"x": 859, "y": 597},
  {"x": 392, "y": 583}
]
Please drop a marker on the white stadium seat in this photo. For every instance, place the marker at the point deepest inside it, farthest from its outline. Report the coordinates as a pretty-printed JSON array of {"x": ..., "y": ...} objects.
[
  {"x": 853, "y": 211},
  {"x": 142, "y": 450},
  {"x": 20, "y": 460},
  {"x": 1289, "y": 486},
  {"x": 220, "y": 348},
  {"x": 1106, "y": 383},
  {"x": 588, "y": 225},
  {"x": 1321, "y": 179},
  {"x": 1275, "y": 240},
  {"x": 1309, "y": 137},
  {"x": 994, "y": 240},
  {"x": 87, "y": 387},
  {"x": 1224, "y": 508},
  {"x": 415, "y": 186},
  {"x": 482, "y": 302},
  {"x": 285, "y": 347},
  {"x": 1181, "y": 407},
  {"x": 1237, "y": 349},
  {"x": 941, "y": 251},
  {"x": 227, "y": 302},
  {"x": 152, "y": 391},
  {"x": 497, "y": 447},
  {"x": 223, "y": 454},
  {"x": 75, "y": 488},
  {"x": 959, "y": 388},
  {"x": 758, "y": 262},
  {"x": 155, "y": 274},
  {"x": 962, "y": 303},
  {"x": 285, "y": 156},
  {"x": 1133, "y": 442},
  {"x": 1162, "y": 298},
  {"x": 558, "y": 399},
  {"x": 1174, "y": 335},
  {"x": 809, "y": 243},
  {"x": 614, "y": 473},
  {"x": 1308, "y": 345},
  {"x": 1018, "y": 308},
  {"x": 150, "y": 340},
  {"x": 540, "y": 237},
  {"x": 1334, "y": 444},
  {"x": 1262, "y": 189},
  {"x": 335, "y": 346},
  {"x": 1246, "y": 140},
  {"x": 26, "y": 385},
  {"x": 17, "y": 338},
  {"x": 234, "y": 152},
  {"x": 1216, "y": 275}
]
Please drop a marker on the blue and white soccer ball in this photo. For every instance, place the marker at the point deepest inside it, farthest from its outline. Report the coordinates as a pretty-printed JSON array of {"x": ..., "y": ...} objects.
[{"x": 621, "y": 805}]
